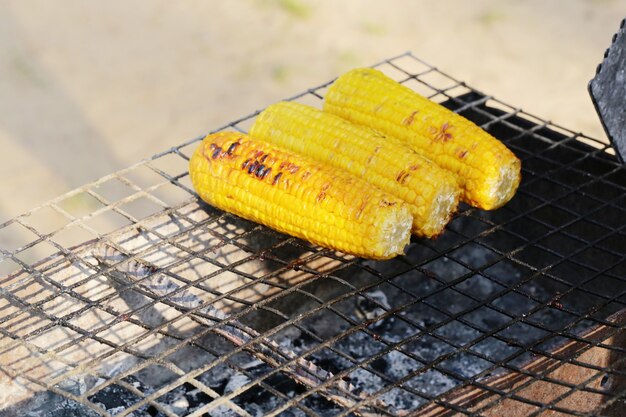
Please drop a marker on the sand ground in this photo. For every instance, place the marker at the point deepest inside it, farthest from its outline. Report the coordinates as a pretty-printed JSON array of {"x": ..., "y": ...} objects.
[{"x": 89, "y": 87}]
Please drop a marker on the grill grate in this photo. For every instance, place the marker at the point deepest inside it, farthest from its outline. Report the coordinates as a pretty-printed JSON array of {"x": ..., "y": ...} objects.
[{"x": 199, "y": 313}]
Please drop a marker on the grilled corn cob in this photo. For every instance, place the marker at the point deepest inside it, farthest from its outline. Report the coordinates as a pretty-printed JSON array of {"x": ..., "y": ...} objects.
[
  {"x": 487, "y": 171},
  {"x": 294, "y": 195},
  {"x": 431, "y": 192}
]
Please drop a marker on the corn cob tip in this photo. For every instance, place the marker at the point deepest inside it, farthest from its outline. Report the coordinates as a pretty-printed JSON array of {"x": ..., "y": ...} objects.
[
  {"x": 443, "y": 207},
  {"x": 395, "y": 232},
  {"x": 503, "y": 187},
  {"x": 498, "y": 186}
]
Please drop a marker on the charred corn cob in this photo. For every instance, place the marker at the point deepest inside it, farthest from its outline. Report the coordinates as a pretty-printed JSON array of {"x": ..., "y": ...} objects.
[
  {"x": 294, "y": 195},
  {"x": 487, "y": 171},
  {"x": 431, "y": 192}
]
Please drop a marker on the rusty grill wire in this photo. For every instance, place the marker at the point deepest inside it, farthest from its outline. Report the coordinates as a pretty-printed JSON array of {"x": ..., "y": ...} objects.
[{"x": 511, "y": 312}]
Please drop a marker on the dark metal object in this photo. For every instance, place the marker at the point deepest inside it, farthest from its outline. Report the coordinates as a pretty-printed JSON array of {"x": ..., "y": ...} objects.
[
  {"x": 608, "y": 92},
  {"x": 493, "y": 307}
]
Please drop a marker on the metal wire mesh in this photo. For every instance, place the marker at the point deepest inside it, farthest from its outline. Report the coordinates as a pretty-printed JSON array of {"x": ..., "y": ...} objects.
[{"x": 511, "y": 312}]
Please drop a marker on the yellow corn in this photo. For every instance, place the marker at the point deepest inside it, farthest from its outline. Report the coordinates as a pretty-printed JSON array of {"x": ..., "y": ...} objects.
[
  {"x": 431, "y": 192},
  {"x": 290, "y": 193},
  {"x": 487, "y": 171}
]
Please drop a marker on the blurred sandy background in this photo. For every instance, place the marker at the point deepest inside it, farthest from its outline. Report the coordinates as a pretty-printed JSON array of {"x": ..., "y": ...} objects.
[{"x": 89, "y": 87}]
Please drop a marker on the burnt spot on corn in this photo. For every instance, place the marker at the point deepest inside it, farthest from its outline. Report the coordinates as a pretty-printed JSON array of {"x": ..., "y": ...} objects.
[
  {"x": 322, "y": 194},
  {"x": 407, "y": 121},
  {"x": 462, "y": 153},
  {"x": 212, "y": 149},
  {"x": 260, "y": 164},
  {"x": 402, "y": 176},
  {"x": 385, "y": 203},
  {"x": 305, "y": 176},
  {"x": 261, "y": 171},
  {"x": 289, "y": 167},
  {"x": 216, "y": 152},
  {"x": 414, "y": 167},
  {"x": 232, "y": 148},
  {"x": 442, "y": 134},
  {"x": 253, "y": 167}
]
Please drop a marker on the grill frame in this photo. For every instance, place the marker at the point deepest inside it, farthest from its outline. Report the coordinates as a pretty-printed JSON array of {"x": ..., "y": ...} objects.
[{"x": 588, "y": 155}]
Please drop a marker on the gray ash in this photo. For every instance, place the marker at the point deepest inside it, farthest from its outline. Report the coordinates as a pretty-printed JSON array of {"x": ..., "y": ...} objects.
[{"x": 424, "y": 328}]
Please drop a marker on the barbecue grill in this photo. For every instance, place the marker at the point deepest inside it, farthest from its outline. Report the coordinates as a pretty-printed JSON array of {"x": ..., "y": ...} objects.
[{"x": 130, "y": 297}]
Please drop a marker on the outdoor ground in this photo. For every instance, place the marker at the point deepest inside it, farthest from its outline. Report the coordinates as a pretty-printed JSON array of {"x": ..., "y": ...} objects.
[{"x": 90, "y": 87}]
